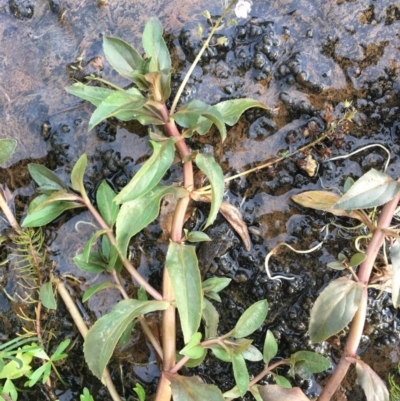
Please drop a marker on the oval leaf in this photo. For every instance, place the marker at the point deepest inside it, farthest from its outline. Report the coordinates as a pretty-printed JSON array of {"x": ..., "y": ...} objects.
[
  {"x": 211, "y": 319},
  {"x": 395, "y": 258},
  {"x": 155, "y": 47},
  {"x": 137, "y": 214},
  {"x": 184, "y": 273},
  {"x": 252, "y": 354},
  {"x": 48, "y": 214},
  {"x": 197, "y": 236},
  {"x": 213, "y": 171},
  {"x": 231, "y": 110},
  {"x": 7, "y": 148},
  {"x": 251, "y": 320},
  {"x": 324, "y": 200},
  {"x": 96, "y": 288},
  {"x": 270, "y": 347},
  {"x": 374, "y": 387},
  {"x": 45, "y": 178},
  {"x": 105, "y": 203},
  {"x": 372, "y": 189},
  {"x": 46, "y": 296},
  {"x": 240, "y": 373},
  {"x": 273, "y": 392},
  {"x": 334, "y": 308},
  {"x": 106, "y": 332},
  {"x": 122, "y": 57},
  {"x": 314, "y": 362},
  {"x": 357, "y": 259},
  {"x": 93, "y": 94},
  {"x": 192, "y": 388},
  {"x": 150, "y": 174},
  {"x": 121, "y": 104},
  {"x": 77, "y": 174}
]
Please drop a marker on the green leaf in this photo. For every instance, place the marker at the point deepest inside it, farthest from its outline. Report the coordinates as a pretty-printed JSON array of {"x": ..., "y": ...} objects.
[
  {"x": 193, "y": 349},
  {"x": 314, "y": 362},
  {"x": 77, "y": 174},
  {"x": 394, "y": 253},
  {"x": 10, "y": 389},
  {"x": 372, "y": 189},
  {"x": 240, "y": 373},
  {"x": 58, "y": 354},
  {"x": 270, "y": 347},
  {"x": 85, "y": 396},
  {"x": 208, "y": 112},
  {"x": 272, "y": 392},
  {"x": 213, "y": 171},
  {"x": 47, "y": 214},
  {"x": 150, "y": 174},
  {"x": 106, "y": 332},
  {"x": 348, "y": 184},
  {"x": 46, "y": 296},
  {"x": 197, "y": 236},
  {"x": 89, "y": 244},
  {"x": 105, "y": 203},
  {"x": 282, "y": 381},
  {"x": 96, "y": 288},
  {"x": 215, "y": 284},
  {"x": 119, "y": 104},
  {"x": 252, "y": 354},
  {"x": 211, "y": 319},
  {"x": 232, "y": 393},
  {"x": 95, "y": 264},
  {"x": 123, "y": 57},
  {"x": 41, "y": 373},
  {"x": 251, "y": 320},
  {"x": 186, "y": 118},
  {"x": 7, "y": 148},
  {"x": 255, "y": 392},
  {"x": 374, "y": 387},
  {"x": 230, "y": 111},
  {"x": 139, "y": 390},
  {"x": 45, "y": 178},
  {"x": 334, "y": 308},
  {"x": 93, "y": 94},
  {"x": 221, "y": 353},
  {"x": 192, "y": 388},
  {"x": 357, "y": 259},
  {"x": 137, "y": 214},
  {"x": 336, "y": 265},
  {"x": 147, "y": 115},
  {"x": 155, "y": 47},
  {"x": 182, "y": 265},
  {"x": 54, "y": 197}
]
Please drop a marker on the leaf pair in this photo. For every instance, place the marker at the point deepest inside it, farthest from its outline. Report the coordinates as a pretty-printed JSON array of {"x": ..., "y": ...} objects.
[
  {"x": 152, "y": 75},
  {"x": 199, "y": 116}
]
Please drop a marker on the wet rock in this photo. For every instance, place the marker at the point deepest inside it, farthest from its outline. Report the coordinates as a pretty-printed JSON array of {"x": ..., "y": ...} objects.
[{"x": 22, "y": 8}]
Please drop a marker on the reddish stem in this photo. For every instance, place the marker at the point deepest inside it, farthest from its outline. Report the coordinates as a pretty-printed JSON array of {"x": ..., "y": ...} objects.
[{"x": 357, "y": 325}]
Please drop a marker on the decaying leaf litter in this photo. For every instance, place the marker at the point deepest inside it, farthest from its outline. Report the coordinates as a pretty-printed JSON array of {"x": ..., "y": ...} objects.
[{"x": 368, "y": 77}]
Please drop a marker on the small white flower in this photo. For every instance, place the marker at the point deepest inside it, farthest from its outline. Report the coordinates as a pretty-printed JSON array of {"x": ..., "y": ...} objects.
[{"x": 242, "y": 8}]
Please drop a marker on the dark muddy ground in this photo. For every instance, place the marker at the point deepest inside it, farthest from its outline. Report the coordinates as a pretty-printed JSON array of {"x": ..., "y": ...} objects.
[{"x": 301, "y": 58}]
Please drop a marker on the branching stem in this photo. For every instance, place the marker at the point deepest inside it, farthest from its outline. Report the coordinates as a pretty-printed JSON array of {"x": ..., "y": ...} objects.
[{"x": 357, "y": 325}]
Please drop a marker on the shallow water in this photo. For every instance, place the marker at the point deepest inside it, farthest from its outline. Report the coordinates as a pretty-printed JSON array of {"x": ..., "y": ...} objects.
[{"x": 316, "y": 53}]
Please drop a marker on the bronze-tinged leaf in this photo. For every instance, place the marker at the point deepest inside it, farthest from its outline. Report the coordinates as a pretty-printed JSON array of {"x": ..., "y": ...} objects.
[
  {"x": 374, "y": 387},
  {"x": 272, "y": 392},
  {"x": 324, "y": 200},
  {"x": 193, "y": 389},
  {"x": 232, "y": 215}
]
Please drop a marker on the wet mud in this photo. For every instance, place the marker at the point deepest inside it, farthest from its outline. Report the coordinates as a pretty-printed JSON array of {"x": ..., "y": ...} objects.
[{"x": 303, "y": 59}]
